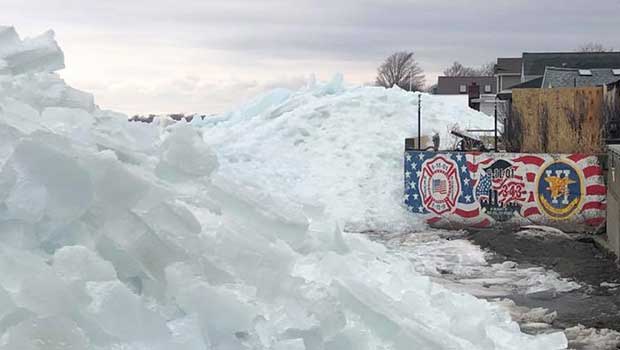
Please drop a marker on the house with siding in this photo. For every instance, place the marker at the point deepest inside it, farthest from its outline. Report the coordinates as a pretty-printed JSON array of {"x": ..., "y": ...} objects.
[
  {"x": 535, "y": 63},
  {"x": 507, "y": 73},
  {"x": 480, "y": 90},
  {"x": 463, "y": 85},
  {"x": 559, "y": 66},
  {"x": 555, "y": 77}
]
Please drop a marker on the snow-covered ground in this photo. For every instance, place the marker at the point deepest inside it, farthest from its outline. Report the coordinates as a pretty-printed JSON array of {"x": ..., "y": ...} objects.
[
  {"x": 226, "y": 234},
  {"x": 457, "y": 263}
]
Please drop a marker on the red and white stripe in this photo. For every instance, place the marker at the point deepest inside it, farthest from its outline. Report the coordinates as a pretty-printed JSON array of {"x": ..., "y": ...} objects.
[
  {"x": 593, "y": 207},
  {"x": 468, "y": 214},
  {"x": 529, "y": 165}
]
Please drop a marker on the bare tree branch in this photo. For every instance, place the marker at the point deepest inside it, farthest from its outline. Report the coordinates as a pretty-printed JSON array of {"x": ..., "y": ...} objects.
[
  {"x": 487, "y": 69},
  {"x": 593, "y": 47},
  {"x": 401, "y": 69},
  {"x": 458, "y": 70}
]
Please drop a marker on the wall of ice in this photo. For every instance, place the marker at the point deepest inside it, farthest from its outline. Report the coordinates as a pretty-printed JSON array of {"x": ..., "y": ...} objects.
[
  {"x": 338, "y": 145},
  {"x": 117, "y": 235}
]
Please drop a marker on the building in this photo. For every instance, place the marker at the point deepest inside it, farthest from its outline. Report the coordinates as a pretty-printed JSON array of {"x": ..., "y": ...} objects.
[
  {"x": 465, "y": 85},
  {"x": 507, "y": 73},
  {"x": 481, "y": 91},
  {"x": 555, "y": 77},
  {"x": 535, "y": 63},
  {"x": 531, "y": 68}
]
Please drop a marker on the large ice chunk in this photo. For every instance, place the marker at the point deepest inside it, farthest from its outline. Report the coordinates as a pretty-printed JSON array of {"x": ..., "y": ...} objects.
[
  {"x": 184, "y": 153},
  {"x": 39, "y": 54},
  {"x": 122, "y": 314},
  {"x": 48, "y": 182},
  {"x": 77, "y": 263},
  {"x": 187, "y": 334},
  {"x": 48, "y": 333},
  {"x": 6, "y": 304}
]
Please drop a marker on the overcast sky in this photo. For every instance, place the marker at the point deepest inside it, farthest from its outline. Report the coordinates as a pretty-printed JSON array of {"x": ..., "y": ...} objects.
[{"x": 161, "y": 56}]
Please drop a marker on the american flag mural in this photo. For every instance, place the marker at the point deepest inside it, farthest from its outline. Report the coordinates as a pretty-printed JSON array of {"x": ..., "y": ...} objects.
[{"x": 481, "y": 190}]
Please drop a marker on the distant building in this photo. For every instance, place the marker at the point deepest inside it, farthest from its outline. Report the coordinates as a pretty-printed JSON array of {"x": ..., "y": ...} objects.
[
  {"x": 463, "y": 85},
  {"x": 560, "y": 68},
  {"x": 507, "y": 73},
  {"x": 535, "y": 63},
  {"x": 572, "y": 77},
  {"x": 480, "y": 90}
]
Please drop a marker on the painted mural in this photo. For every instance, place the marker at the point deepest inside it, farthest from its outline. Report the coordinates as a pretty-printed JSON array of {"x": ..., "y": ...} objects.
[{"x": 484, "y": 190}]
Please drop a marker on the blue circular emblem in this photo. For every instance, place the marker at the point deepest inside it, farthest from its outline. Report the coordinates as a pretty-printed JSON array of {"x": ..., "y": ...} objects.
[{"x": 560, "y": 189}]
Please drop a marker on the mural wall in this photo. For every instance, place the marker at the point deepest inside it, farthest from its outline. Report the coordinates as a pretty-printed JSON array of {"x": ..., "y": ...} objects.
[{"x": 483, "y": 190}]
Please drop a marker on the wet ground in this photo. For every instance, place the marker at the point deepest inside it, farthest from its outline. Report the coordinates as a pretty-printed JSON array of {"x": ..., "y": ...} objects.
[
  {"x": 577, "y": 258},
  {"x": 549, "y": 281}
]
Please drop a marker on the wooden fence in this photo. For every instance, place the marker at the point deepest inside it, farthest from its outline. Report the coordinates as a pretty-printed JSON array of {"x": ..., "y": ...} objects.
[{"x": 563, "y": 120}]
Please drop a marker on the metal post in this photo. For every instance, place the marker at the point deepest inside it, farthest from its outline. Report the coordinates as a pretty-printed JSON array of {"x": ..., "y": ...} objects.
[
  {"x": 495, "y": 115},
  {"x": 420, "y": 121}
]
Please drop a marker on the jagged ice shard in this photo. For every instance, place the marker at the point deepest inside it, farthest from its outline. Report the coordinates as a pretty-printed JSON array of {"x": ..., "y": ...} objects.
[{"x": 117, "y": 235}]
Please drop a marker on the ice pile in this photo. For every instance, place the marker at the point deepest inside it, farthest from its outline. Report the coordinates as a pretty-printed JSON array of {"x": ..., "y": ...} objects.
[
  {"x": 337, "y": 145},
  {"x": 118, "y": 235}
]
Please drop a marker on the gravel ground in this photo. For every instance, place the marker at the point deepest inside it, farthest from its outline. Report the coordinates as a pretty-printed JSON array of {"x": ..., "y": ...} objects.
[{"x": 595, "y": 304}]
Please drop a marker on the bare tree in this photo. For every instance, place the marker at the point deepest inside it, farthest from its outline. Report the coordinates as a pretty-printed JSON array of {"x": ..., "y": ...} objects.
[
  {"x": 487, "y": 69},
  {"x": 401, "y": 69},
  {"x": 459, "y": 70},
  {"x": 593, "y": 47}
]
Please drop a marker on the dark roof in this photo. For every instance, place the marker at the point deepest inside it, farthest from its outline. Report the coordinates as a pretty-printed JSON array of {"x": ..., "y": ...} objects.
[
  {"x": 508, "y": 65},
  {"x": 534, "y": 63},
  {"x": 451, "y": 85},
  {"x": 570, "y": 77},
  {"x": 530, "y": 84}
]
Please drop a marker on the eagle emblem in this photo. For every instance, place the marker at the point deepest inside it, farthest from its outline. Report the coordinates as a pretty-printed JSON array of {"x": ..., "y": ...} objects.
[{"x": 560, "y": 190}]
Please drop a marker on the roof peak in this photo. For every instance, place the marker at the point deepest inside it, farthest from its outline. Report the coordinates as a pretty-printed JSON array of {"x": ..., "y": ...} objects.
[
  {"x": 466, "y": 76},
  {"x": 569, "y": 52},
  {"x": 577, "y": 69}
]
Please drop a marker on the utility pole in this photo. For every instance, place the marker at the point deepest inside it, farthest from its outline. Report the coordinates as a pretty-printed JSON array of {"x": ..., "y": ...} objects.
[
  {"x": 495, "y": 115},
  {"x": 420, "y": 121}
]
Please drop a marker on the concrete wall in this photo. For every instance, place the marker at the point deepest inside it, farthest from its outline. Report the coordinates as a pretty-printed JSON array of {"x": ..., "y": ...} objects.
[
  {"x": 484, "y": 190},
  {"x": 613, "y": 199}
]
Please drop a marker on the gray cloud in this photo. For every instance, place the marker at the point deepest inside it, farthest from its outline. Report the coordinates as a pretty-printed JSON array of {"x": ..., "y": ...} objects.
[
  {"x": 281, "y": 35},
  {"x": 344, "y": 28}
]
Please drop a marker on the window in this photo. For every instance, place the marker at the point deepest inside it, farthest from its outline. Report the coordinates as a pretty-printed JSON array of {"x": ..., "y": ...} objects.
[
  {"x": 463, "y": 89},
  {"x": 487, "y": 88},
  {"x": 585, "y": 72}
]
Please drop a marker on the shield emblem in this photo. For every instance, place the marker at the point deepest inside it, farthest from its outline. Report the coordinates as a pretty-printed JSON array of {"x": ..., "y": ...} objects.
[
  {"x": 560, "y": 189},
  {"x": 439, "y": 185}
]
